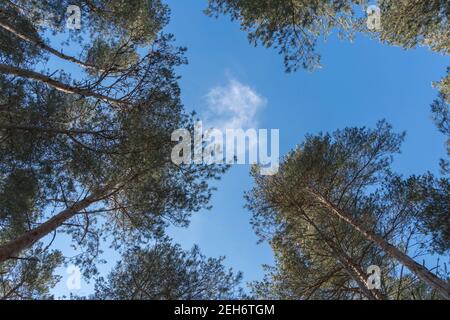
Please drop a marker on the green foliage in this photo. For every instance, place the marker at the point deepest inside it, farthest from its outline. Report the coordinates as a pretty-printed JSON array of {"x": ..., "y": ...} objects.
[
  {"x": 432, "y": 196},
  {"x": 412, "y": 23},
  {"x": 106, "y": 121},
  {"x": 165, "y": 272},
  {"x": 294, "y": 27},
  {"x": 31, "y": 276},
  {"x": 440, "y": 109},
  {"x": 314, "y": 250}
]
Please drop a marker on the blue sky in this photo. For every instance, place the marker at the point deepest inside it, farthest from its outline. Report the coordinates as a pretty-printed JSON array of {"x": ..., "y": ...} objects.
[{"x": 360, "y": 83}]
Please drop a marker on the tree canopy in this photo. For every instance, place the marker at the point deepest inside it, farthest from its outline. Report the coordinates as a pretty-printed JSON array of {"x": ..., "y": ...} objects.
[
  {"x": 294, "y": 27},
  {"x": 334, "y": 209},
  {"x": 86, "y": 117},
  {"x": 164, "y": 271},
  {"x": 86, "y": 151}
]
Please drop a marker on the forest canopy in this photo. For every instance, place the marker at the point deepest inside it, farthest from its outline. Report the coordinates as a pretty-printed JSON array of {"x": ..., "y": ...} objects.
[{"x": 90, "y": 95}]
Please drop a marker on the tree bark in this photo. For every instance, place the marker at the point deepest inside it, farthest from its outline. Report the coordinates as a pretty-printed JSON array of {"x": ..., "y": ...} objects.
[
  {"x": 39, "y": 43},
  {"x": 420, "y": 271},
  {"x": 353, "y": 269},
  {"x": 14, "y": 247},
  {"x": 357, "y": 274},
  {"x": 42, "y": 45}
]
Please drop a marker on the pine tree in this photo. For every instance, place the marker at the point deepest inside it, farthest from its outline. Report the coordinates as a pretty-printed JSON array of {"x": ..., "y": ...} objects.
[
  {"x": 294, "y": 27},
  {"x": 335, "y": 205},
  {"x": 86, "y": 151},
  {"x": 412, "y": 23},
  {"x": 164, "y": 271}
]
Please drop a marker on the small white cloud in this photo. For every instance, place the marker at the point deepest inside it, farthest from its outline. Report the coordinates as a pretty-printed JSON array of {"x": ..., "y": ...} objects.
[{"x": 233, "y": 106}]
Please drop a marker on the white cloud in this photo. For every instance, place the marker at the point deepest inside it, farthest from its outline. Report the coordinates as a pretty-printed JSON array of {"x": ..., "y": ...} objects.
[{"x": 233, "y": 106}]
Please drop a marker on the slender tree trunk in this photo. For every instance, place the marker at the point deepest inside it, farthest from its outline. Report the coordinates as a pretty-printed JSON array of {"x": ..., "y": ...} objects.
[
  {"x": 56, "y": 84},
  {"x": 353, "y": 269},
  {"x": 14, "y": 247},
  {"x": 357, "y": 274},
  {"x": 420, "y": 271},
  {"x": 40, "y": 43}
]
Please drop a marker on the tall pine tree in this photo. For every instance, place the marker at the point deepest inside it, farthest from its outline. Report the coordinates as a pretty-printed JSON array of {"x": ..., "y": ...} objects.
[
  {"x": 86, "y": 151},
  {"x": 334, "y": 209}
]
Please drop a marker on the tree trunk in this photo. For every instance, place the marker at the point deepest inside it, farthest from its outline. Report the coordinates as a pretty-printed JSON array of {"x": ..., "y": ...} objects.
[
  {"x": 14, "y": 247},
  {"x": 358, "y": 275},
  {"x": 40, "y": 43},
  {"x": 420, "y": 271},
  {"x": 353, "y": 269}
]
